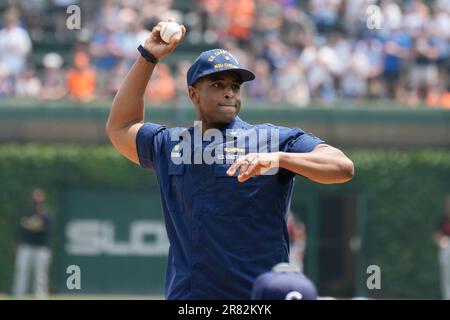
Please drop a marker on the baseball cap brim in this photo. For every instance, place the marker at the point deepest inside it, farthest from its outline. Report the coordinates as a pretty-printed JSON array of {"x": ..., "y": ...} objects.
[{"x": 244, "y": 74}]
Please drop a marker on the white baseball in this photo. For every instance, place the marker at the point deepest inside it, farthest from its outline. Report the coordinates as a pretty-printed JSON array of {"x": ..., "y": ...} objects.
[{"x": 168, "y": 30}]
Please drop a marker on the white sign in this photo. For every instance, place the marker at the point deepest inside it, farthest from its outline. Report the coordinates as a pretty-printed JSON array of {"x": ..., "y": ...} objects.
[{"x": 96, "y": 237}]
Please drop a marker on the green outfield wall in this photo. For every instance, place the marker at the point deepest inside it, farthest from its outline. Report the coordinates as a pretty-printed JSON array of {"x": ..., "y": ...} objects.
[
  {"x": 345, "y": 126},
  {"x": 107, "y": 220}
]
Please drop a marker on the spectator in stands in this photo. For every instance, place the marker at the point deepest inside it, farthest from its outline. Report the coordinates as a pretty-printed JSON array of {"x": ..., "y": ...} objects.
[
  {"x": 240, "y": 19},
  {"x": 397, "y": 47},
  {"x": 276, "y": 52},
  {"x": 269, "y": 17},
  {"x": 81, "y": 78},
  {"x": 415, "y": 17},
  {"x": 107, "y": 53},
  {"x": 53, "y": 85},
  {"x": 296, "y": 28},
  {"x": 162, "y": 86},
  {"x": 423, "y": 74},
  {"x": 440, "y": 37},
  {"x": 442, "y": 18},
  {"x": 260, "y": 89},
  {"x": 15, "y": 44},
  {"x": 354, "y": 79},
  {"x": 371, "y": 48},
  {"x": 156, "y": 9},
  {"x": 116, "y": 78},
  {"x": 320, "y": 63},
  {"x": 140, "y": 32},
  {"x": 27, "y": 84},
  {"x": 6, "y": 83},
  {"x": 439, "y": 100},
  {"x": 325, "y": 14},
  {"x": 291, "y": 83},
  {"x": 392, "y": 15},
  {"x": 129, "y": 37},
  {"x": 354, "y": 22},
  {"x": 180, "y": 83},
  {"x": 361, "y": 77},
  {"x": 445, "y": 99},
  {"x": 205, "y": 20},
  {"x": 325, "y": 39},
  {"x": 32, "y": 16},
  {"x": 342, "y": 46}
]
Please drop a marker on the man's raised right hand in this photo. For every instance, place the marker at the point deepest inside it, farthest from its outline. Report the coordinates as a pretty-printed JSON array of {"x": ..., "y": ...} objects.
[{"x": 156, "y": 46}]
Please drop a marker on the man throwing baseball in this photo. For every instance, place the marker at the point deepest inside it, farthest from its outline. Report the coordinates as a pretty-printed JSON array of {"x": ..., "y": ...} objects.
[{"x": 225, "y": 218}]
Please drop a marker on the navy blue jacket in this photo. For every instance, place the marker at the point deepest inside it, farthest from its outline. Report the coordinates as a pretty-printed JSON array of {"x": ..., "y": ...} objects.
[{"x": 223, "y": 233}]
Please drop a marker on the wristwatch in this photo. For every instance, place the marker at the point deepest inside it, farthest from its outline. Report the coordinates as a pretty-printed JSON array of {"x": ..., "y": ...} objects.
[{"x": 147, "y": 55}]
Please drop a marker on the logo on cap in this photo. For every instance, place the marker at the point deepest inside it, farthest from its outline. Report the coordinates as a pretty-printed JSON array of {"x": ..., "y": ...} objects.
[
  {"x": 283, "y": 282},
  {"x": 216, "y": 60},
  {"x": 294, "y": 295}
]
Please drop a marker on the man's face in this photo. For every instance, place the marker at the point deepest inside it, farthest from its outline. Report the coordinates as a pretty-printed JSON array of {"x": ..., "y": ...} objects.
[{"x": 217, "y": 97}]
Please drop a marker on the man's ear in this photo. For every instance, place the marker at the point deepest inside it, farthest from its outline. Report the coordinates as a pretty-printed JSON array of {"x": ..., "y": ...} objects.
[{"x": 193, "y": 94}]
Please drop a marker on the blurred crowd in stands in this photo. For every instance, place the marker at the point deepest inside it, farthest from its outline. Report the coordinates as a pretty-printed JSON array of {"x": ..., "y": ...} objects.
[{"x": 303, "y": 51}]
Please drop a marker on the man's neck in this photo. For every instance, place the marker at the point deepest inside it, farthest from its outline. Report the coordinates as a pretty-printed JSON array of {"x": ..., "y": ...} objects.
[
  {"x": 212, "y": 125},
  {"x": 218, "y": 126}
]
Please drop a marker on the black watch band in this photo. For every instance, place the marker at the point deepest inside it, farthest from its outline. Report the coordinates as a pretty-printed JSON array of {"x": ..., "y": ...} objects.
[{"x": 147, "y": 55}]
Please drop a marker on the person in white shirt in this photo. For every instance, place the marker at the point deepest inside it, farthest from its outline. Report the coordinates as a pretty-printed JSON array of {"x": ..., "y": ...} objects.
[{"x": 15, "y": 44}]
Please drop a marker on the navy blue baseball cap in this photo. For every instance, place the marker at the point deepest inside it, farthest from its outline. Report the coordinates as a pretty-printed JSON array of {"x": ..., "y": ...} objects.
[
  {"x": 215, "y": 61},
  {"x": 283, "y": 283}
]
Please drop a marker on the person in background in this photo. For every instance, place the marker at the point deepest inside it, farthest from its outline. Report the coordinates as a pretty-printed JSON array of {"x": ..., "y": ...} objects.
[
  {"x": 297, "y": 239},
  {"x": 15, "y": 44},
  {"x": 81, "y": 78},
  {"x": 53, "y": 85},
  {"x": 28, "y": 84},
  {"x": 33, "y": 254},
  {"x": 442, "y": 240}
]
